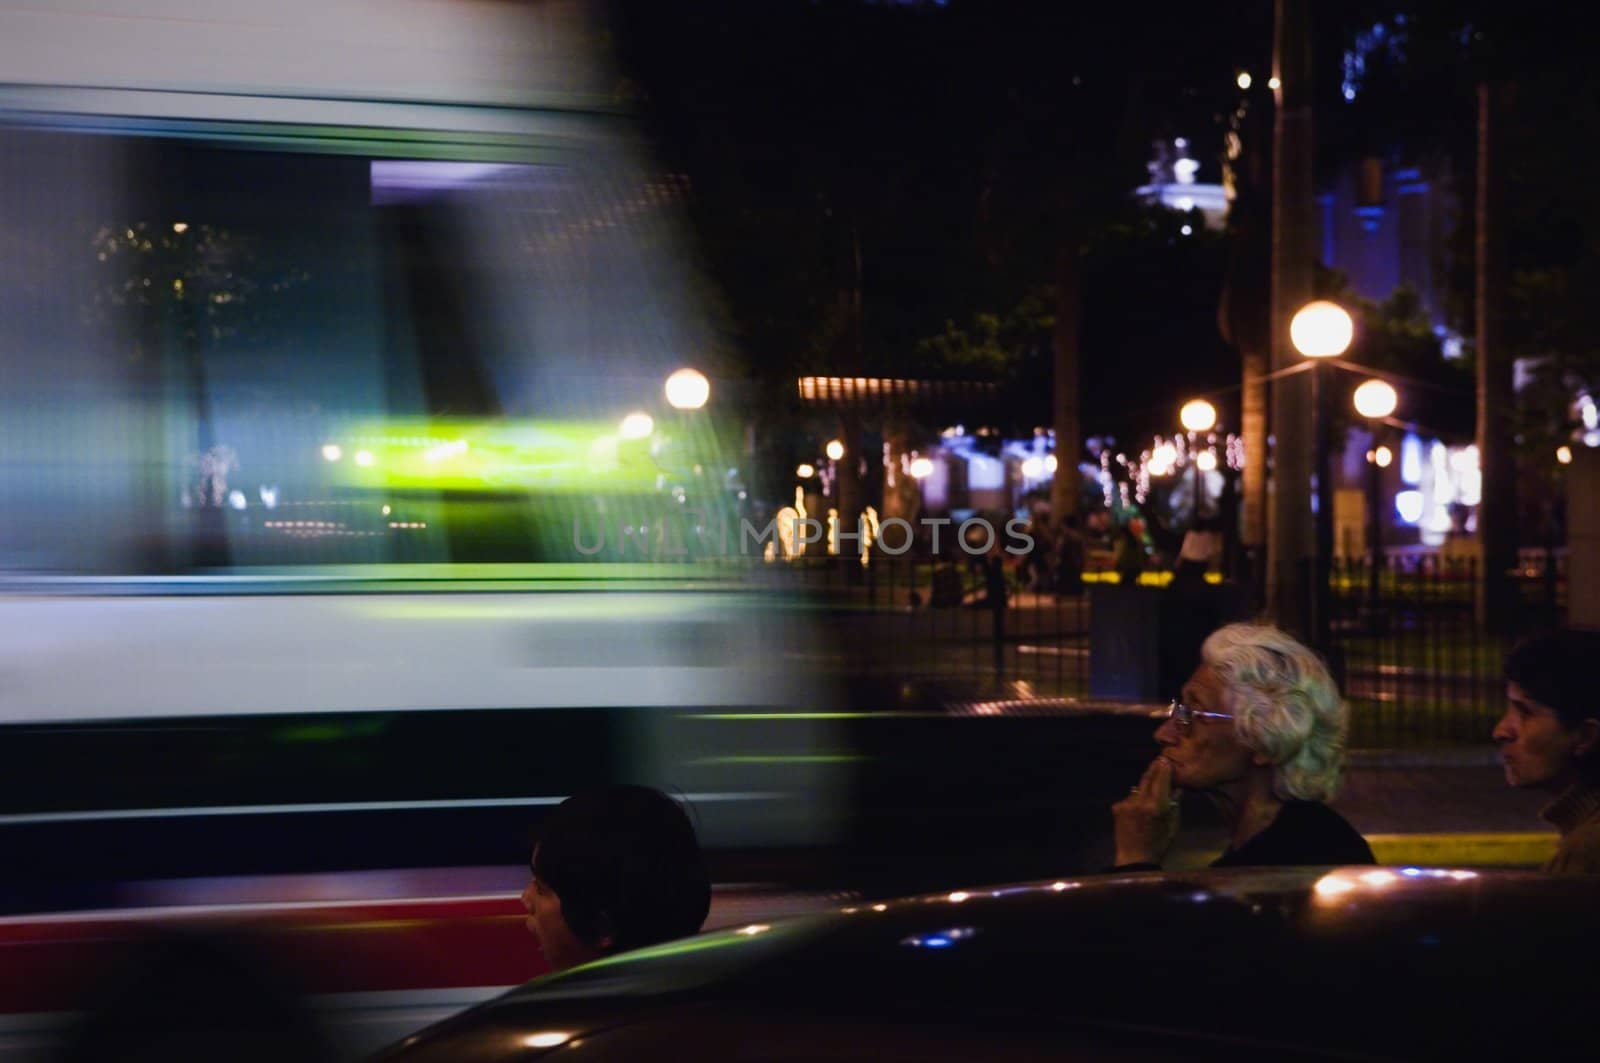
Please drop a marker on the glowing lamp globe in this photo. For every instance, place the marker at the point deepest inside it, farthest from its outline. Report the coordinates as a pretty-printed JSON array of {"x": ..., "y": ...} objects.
[
  {"x": 1376, "y": 398},
  {"x": 1198, "y": 415},
  {"x": 1322, "y": 330}
]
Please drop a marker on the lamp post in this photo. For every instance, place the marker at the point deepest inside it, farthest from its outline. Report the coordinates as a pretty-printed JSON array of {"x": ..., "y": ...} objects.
[
  {"x": 686, "y": 390},
  {"x": 1321, "y": 330},
  {"x": 1375, "y": 400},
  {"x": 834, "y": 451},
  {"x": 1197, "y": 416}
]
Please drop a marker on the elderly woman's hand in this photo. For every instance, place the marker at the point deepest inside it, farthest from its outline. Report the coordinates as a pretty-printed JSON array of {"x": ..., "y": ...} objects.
[{"x": 1146, "y": 821}]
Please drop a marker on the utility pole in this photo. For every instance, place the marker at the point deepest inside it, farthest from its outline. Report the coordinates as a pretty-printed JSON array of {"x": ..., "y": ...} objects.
[
  {"x": 1289, "y": 525},
  {"x": 1497, "y": 598},
  {"x": 1245, "y": 317},
  {"x": 1064, "y": 407},
  {"x": 848, "y": 486}
]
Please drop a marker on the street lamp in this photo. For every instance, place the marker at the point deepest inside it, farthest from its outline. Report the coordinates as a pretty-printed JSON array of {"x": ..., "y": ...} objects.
[
  {"x": 1374, "y": 400},
  {"x": 1197, "y": 416},
  {"x": 1321, "y": 330},
  {"x": 687, "y": 389},
  {"x": 834, "y": 451}
]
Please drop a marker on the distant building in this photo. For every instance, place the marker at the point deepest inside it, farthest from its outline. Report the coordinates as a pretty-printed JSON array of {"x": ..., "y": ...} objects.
[
  {"x": 1384, "y": 225},
  {"x": 1173, "y": 185}
]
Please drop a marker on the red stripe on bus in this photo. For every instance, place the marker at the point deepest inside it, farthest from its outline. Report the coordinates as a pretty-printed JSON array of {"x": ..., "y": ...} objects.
[{"x": 49, "y": 964}]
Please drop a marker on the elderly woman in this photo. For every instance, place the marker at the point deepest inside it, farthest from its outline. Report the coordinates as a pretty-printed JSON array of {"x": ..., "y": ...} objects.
[
  {"x": 1549, "y": 739},
  {"x": 1260, "y": 729}
]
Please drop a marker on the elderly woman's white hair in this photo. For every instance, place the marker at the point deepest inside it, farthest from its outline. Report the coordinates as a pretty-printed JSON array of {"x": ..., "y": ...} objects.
[{"x": 1284, "y": 705}]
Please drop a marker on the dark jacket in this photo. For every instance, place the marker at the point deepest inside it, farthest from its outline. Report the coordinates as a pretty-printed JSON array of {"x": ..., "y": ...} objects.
[{"x": 1576, "y": 814}]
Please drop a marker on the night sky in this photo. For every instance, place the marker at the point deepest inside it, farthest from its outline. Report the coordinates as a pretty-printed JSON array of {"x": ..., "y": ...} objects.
[{"x": 937, "y": 137}]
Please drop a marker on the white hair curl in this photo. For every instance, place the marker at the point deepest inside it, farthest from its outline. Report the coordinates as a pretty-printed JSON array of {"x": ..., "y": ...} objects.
[{"x": 1285, "y": 706}]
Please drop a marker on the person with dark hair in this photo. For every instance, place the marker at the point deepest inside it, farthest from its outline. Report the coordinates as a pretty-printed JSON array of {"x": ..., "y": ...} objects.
[
  {"x": 614, "y": 868},
  {"x": 1549, "y": 739}
]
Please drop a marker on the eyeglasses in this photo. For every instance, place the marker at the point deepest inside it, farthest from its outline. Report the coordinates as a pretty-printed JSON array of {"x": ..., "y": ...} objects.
[{"x": 1184, "y": 716}]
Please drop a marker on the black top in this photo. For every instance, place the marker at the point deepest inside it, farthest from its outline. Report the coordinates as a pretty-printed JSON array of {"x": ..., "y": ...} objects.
[{"x": 1303, "y": 833}]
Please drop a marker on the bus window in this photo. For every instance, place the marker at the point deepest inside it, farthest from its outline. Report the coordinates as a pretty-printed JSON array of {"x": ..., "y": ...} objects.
[{"x": 231, "y": 357}]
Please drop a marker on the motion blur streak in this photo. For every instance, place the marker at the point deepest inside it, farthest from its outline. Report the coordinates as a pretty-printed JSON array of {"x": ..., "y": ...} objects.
[{"x": 319, "y": 324}]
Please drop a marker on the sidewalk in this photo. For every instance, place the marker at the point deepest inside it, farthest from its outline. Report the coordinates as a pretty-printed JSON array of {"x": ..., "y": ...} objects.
[{"x": 1447, "y": 807}]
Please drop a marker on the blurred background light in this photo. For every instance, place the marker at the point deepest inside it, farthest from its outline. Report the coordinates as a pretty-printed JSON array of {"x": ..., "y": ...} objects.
[
  {"x": 637, "y": 425},
  {"x": 687, "y": 389}
]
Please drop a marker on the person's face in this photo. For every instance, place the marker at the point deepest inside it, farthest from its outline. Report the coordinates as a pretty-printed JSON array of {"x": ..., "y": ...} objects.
[
  {"x": 1536, "y": 748},
  {"x": 561, "y": 947},
  {"x": 1207, "y": 754}
]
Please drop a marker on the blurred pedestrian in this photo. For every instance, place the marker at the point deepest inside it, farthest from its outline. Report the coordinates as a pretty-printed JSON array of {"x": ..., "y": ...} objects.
[
  {"x": 1071, "y": 554},
  {"x": 1128, "y": 556},
  {"x": 1038, "y": 565},
  {"x": 1549, "y": 739},
  {"x": 1260, "y": 730},
  {"x": 994, "y": 576},
  {"x": 614, "y": 868},
  {"x": 986, "y": 560},
  {"x": 1202, "y": 546}
]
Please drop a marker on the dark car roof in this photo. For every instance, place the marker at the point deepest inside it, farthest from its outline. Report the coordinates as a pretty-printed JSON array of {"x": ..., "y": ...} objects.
[{"x": 1370, "y": 962}]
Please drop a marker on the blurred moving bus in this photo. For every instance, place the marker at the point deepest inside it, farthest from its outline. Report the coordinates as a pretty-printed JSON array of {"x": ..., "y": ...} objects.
[{"x": 333, "y": 337}]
